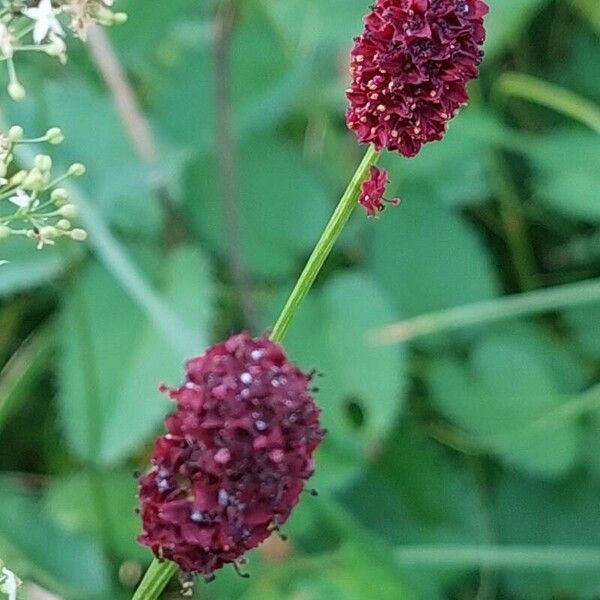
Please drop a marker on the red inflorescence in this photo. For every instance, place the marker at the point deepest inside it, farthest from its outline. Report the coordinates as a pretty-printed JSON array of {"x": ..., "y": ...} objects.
[
  {"x": 410, "y": 68},
  {"x": 236, "y": 456},
  {"x": 372, "y": 191}
]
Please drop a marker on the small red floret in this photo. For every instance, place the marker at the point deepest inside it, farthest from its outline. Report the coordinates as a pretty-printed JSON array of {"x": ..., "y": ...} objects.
[{"x": 372, "y": 191}]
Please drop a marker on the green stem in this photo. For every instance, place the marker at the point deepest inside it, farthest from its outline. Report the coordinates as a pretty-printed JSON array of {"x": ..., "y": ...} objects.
[
  {"x": 155, "y": 580},
  {"x": 324, "y": 245},
  {"x": 160, "y": 572},
  {"x": 488, "y": 311},
  {"x": 515, "y": 226}
]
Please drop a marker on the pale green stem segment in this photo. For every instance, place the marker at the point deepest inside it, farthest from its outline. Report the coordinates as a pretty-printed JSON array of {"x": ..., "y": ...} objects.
[
  {"x": 488, "y": 311},
  {"x": 155, "y": 580},
  {"x": 324, "y": 245},
  {"x": 160, "y": 572},
  {"x": 552, "y": 96}
]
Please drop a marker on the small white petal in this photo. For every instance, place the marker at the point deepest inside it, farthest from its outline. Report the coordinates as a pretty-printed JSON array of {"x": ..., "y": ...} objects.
[
  {"x": 21, "y": 199},
  {"x": 40, "y": 31},
  {"x": 10, "y": 584}
]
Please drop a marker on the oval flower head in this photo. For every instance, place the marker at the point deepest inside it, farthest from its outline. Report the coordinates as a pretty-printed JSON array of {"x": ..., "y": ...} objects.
[
  {"x": 410, "y": 68},
  {"x": 237, "y": 454}
]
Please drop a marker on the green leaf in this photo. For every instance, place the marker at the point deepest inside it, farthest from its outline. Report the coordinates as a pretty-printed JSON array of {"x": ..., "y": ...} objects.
[
  {"x": 583, "y": 323},
  {"x": 27, "y": 267},
  {"x": 114, "y": 361},
  {"x": 361, "y": 391},
  {"x": 566, "y": 172},
  {"x": 70, "y": 502},
  {"x": 429, "y": 258},
  {"x": 138, "y": 406},
  {"x": 510, "y": 399},
  {"x": 425, "y": 497},
  {"x": 41, "y": 549},
  {"x": 323, "y": 22},
  {"x": 557, "y": 516},
  {"x": 269, "y": 200},
  {"x": 23, "y": 371},
  {"x": 459, "y": 161},
  {"x": 506, "y": 21}
]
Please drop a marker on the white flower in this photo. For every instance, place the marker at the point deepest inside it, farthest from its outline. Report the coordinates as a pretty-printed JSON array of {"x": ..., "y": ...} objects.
[
  {"x": 9, "y": 582},
  {"x": 21, "y": 199},
  {"x": 45, "y": 20},
  {"x": 6, "y": 42}
]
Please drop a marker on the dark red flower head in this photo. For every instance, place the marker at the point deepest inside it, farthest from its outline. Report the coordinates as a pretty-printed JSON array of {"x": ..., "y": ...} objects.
[
  {"x": 372, "y": 190},
  {"x": 410, "y": 68},
  {"x": 236, "y": 456}
]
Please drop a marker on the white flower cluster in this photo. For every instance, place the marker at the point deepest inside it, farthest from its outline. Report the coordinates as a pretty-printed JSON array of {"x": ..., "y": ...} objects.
[
  {"x": 27, "y": 27},
  {"x": 31, "y": 203},
  {"x": 9, "y": 582}
]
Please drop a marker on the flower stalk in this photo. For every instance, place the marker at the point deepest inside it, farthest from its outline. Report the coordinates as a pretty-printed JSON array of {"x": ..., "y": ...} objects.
[
  {"x": 161, "y": 571},
  {"x": 324, "y": 245}
]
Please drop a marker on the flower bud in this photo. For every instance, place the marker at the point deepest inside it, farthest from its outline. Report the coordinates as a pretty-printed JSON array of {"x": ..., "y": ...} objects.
[
  {"x": 79, "y": 235},
  {"x": 77, "y": 169},
  {"x": 60, "y": 196},
  {"x": 43, "y": 162},
  {"x": 68, "y": 210},
  {"x": 57, "y": 47},
  {"x": 54, "y": 136},
  {"x": 15, "y": 134},
  {"x": 120, "y": 18},
  {"x": 4, "y": 232},
  {"x": 18, "y": 177},
  {"x": 64, "y": 224},
  {"x": 16, "y": 91},
  {"x": 34, "y": 180},
  {"x": 48, "y": 232}
]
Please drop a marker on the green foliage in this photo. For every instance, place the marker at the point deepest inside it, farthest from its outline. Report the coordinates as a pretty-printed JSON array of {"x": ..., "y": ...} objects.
[{"x": 463, "y": 466}]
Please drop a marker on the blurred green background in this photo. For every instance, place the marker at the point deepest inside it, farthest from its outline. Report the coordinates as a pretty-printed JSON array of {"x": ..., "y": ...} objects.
[{"x": 462, "y": 464}]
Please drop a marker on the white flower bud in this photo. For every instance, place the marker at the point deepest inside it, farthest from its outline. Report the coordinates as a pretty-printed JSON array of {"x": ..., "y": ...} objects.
[
  {"x": 16, "y": 91},
  {"x": 34, "y": 180},
  {"x": 79, "y": 235},
  {"x": 4, "y": 232},
  {"x": 64, "y": 224},
  {"x": 76, "y": 170},
  {"x": 48, "y": 232},
  {"x": 120, "y": 18},
  {"x": 59, "y": 196},
  {"x": 15, "y": 134},
  {"x": 43, "y": 162},
  {"x": 54, "y": 135},
  {"x": 18, "y": 178},
  {"x": 57, "y": 47},
  {"x": 68, "y": 211}
]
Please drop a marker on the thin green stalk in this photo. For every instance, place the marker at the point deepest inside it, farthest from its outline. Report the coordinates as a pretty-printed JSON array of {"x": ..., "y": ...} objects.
[
  {"x": 157, "y": 576},
  {"x": 95, "y": 476},
  {"x": 160, "y": 572},
  {"x": 551, "y": 96},
  {"x": 488, "y": 311},
  {"x": 515, "y": 226},
  {"x": 324, "y": 245}
]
